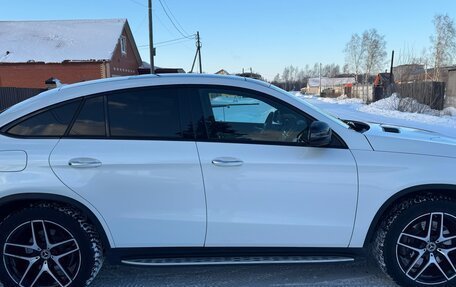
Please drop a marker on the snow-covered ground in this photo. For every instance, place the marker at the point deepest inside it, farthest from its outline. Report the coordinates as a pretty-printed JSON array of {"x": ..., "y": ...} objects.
[{"x": 443, "y": 122}]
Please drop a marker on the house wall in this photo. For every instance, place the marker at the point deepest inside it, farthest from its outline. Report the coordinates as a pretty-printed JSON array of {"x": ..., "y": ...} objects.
[
  {"x": 450, "y": 99},
  {"x": 33, "y": 75},
  {"x": 124, "y": 64}
]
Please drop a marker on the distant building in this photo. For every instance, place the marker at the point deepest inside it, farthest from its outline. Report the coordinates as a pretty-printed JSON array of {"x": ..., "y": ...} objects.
[
  {"x": 383, "y": 86},
  {"x": 329, "y": 86},
  {"x": 145, "y": 69},
  {"x": 222, "y": 72},
  {"x": 417, "y": 72},
  {"x": 450, "y": 100},
  {"x": 70, "y": 50},
  {"x": 409, "y": 73}
]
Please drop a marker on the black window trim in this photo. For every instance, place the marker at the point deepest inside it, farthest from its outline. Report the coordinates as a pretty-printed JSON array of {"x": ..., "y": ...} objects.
[
  {"x": 4, "y": 129},
  {"x": 269, "y": 98},
  {"x": 194, "y": 98},
  {"x": 182, "y": 121}
]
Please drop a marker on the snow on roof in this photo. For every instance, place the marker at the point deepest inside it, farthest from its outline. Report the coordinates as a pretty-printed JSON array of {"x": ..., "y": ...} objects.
[
  {"x": 59, "y": 40},
  {"x": 315, "y": 82}
]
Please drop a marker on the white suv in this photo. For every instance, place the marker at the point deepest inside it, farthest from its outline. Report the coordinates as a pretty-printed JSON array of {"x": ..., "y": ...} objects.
[{"x": 206, "y": 170}]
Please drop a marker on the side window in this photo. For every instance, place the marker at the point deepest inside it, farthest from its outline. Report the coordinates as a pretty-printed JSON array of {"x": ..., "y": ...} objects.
[
  {"x": 49, "y": 123},
  {"x": 91, "y": 119},
  {"x": 146, "y": 113},
  {"x": 242, "y": 116}
]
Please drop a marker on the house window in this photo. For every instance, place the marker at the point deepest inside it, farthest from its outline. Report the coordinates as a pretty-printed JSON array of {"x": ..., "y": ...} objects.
[{"x": 123, "y": 44}]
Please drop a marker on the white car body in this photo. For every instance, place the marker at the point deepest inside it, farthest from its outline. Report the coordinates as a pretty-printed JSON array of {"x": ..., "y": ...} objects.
[
  {"x": 307, "y": 197},
  {"x": 281, "y": 196}
]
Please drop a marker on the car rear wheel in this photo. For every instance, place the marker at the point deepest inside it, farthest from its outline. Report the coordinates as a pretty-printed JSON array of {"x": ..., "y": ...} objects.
[
  {"x": 416, "y": 244},
  {"x": 48, "y": 246}
]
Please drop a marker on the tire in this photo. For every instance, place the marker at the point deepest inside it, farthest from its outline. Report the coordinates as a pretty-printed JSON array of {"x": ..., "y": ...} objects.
[
  {"x": 414, "y": 252},
  {"x": 71, "y": 255}
]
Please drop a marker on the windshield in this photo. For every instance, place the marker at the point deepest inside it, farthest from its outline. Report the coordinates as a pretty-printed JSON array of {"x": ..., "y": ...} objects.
[{"x": 317, "y": 109}]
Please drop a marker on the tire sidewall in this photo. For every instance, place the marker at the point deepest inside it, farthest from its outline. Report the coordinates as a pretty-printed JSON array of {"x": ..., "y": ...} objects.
[
  {"x": 68, "y": 222},
  {"x": 398, "y": 225}
]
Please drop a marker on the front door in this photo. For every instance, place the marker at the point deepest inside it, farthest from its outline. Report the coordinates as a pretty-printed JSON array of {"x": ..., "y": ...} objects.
[{"x": 265, "y": 187}]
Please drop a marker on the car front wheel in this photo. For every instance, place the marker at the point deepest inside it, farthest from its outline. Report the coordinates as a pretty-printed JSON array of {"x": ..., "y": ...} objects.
[
  {"x": 416, "y": 244},
  {"x": 47, "y": 246}
]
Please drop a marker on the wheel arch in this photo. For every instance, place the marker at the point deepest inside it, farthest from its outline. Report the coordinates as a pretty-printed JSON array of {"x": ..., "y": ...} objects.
[
  {"x": 442, "y": 189},
  {"x": 15, "y": 202}
]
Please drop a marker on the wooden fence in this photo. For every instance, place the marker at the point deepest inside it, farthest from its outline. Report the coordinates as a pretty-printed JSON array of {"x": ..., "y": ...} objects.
[
  {"x": 428, "y": 93},
  {"x": 12, "y": 96}
]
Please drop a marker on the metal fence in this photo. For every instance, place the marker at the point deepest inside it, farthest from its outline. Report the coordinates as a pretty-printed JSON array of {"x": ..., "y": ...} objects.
[{"x": 12, "y": 96}]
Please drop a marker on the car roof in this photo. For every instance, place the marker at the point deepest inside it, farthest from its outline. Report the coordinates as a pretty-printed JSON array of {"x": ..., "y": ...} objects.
[{"x": 68, "y": 92}]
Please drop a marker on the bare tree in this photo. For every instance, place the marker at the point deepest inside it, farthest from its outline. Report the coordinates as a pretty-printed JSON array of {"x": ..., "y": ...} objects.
[
  {"x": 443, "y": 43},
  {"x": 375, "y": 52},
  {"x": 354, "y": 53}
]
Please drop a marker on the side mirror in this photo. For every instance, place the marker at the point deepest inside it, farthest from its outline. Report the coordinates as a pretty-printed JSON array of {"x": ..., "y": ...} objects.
[{"x": 320, "y": 134}]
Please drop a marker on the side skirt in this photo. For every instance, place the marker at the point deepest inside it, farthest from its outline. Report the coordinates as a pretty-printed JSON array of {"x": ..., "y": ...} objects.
[{"x": 230, "y": 255}]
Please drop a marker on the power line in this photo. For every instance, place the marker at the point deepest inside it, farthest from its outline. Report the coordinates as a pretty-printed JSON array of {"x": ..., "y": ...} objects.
[
  {"x": 171, "y": 20},
  {"x": 138, "y": 3},
  {"x": 174, "y": 17},
  {"x": 169, "y": 41}
]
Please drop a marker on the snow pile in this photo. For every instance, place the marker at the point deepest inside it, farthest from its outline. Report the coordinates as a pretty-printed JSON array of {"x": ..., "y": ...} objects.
[
  {"x": 341, "y": 100},
  {"x": 407, "y": 105}
]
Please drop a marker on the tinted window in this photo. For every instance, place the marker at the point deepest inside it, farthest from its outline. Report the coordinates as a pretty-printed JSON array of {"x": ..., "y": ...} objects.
[
  {"x": 145, "y": 113},
  {"x": 243, "y": 116},
  {"x": 91, "y": 119},
  {"x": 50, "y": 123}
]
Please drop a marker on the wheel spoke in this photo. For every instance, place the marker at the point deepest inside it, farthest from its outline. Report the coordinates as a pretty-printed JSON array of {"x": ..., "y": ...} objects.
[
  {"x": 42, "y": 270},
  {"x": 58, "y": 257},
  {"x": 423, "y": 268},
  {"x": 29, "y": 259},
  {"x": 414, "y": 236},
  {"x": 57, "y": 263},
  {"x": 440, "y": 268},
  {"x": 35, "y": 242},
  {"x": 49, "y": 271},
  {"x": 29, "y": 267},
  {"x": 22, "y": 246},
  {"x": 444, "y": 239},
  {"x": 447, "y": 258},
  {"x": 441, "y": 229},
  {"x": 46, "y": 238},
  {"x": 411, "y": 247},
  {"x": 51, "y": 246},
  {"x": 418, "y": 257},
  {"x": 428, "y": 237}
]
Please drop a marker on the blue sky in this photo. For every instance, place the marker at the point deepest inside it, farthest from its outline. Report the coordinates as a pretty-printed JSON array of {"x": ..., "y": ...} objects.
[{"x": 266, "y": 35}]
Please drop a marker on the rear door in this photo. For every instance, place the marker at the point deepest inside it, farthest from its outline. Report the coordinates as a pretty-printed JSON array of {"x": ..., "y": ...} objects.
[{"x": 132, "y": 155}]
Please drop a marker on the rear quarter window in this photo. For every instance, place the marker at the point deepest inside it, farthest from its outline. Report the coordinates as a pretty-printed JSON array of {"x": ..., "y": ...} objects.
[{"x": 52, "y": 122}]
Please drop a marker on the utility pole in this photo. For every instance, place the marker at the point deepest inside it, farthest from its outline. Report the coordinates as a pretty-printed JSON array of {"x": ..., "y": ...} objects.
[
  {"x": 198, "y": 54},
  {"x": 198, "y": 43},
  {"x": 319, "y": 74},
  {"x": 151, "y": 40}
]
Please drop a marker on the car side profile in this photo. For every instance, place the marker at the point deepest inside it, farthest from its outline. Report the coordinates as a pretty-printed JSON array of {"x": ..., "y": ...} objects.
[{"x": 163, "y": 170}]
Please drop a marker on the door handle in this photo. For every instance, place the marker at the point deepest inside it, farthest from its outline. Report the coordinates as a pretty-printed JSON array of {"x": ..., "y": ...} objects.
[
  {"x": 227, "y": 161},
  {"x": 82, "y": 162}
]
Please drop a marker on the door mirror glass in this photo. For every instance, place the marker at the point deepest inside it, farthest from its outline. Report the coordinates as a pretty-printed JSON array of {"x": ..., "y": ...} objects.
[{"x": 320, "y": 134}]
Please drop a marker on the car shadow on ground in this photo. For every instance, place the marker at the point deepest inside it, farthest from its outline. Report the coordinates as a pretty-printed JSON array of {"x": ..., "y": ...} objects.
[{"x": 359, "y": 273}]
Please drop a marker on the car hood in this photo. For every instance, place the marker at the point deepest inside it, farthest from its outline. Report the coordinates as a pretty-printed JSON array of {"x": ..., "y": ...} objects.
[{"x": 391, "y": 138}]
